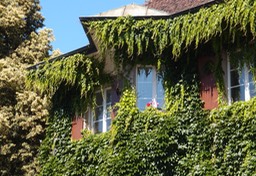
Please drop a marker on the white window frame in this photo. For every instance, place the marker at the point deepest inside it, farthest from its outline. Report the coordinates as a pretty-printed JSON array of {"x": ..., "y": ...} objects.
[
  {"x": 154, "y": 81},
  {"x": 91, "y": 114},
  {"x": 87, "y": 119},
  {"x": 246, "y": 82}
]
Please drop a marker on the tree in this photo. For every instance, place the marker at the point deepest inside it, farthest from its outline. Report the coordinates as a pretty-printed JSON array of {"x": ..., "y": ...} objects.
[{"x": 22, "y": 112}]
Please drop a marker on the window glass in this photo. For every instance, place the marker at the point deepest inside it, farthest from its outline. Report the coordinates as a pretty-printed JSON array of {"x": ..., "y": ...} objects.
[
  {"x": 252, "y": 90},
  {"x": 252, "y": 85},
  {"x": 99, "y": 99},
  {"x": 98, "y": 127},
  {"x": 242, "y": 85},
  {"x": 108, "y": 102},
  {"x": 99, "y": 113},
  {"x": 251, "y": 77},
  {"x": 235, "y": 78},
  {"x": 149, "y": 86},
  {"x": 145, "y": 74},
  {"x": 144, "y": 86},
  {"x": 87, "y": 121},
  {"x": 160, "y": 92},
  {"x": 237, "y": 93},
  {"x": 101, "y": 117},
  {"x": 108, "y": 124},
  {"x": 109, "y": 96}
]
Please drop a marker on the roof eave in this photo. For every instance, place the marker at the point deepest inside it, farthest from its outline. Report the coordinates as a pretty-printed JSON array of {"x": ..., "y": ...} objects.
[{"x": 100, "y": 18}]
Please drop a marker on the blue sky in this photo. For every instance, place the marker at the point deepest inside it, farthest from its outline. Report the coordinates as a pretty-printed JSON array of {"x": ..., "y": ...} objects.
[{"x": 62, "y": 16}]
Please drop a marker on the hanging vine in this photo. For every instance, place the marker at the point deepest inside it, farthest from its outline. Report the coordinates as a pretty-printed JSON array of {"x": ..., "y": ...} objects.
[
  {"x": 177, "y": 34},
  {"x": 73, "y": 79}
]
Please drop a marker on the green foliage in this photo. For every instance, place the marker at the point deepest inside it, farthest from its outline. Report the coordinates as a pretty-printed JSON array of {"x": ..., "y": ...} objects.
[
  {"x": 233, "y": 145},
  {"x": 61, "y": 156},
  {"x": 21, "y": 134},
  {"x": 70, "y": 81},
  {"x": 19, "y": 19},
  {"x": 135, "y": 37},
  {"x": 23, "y": 112},
  {"x": 52, "y": 150},
  {"x": 185, "y": 141},
  {"x": 181, "y": 139},
  {"x": 226, "y": 25}
]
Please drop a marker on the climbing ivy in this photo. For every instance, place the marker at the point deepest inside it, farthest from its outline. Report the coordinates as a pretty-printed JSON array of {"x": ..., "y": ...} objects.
[
  {"x": 179, "y": 33},
  {"x": 182, "y": 138},
  {"x": 226, "y": 25},
  {"x": 183, "y": 141},
  {"x": 70, "y": 81}
]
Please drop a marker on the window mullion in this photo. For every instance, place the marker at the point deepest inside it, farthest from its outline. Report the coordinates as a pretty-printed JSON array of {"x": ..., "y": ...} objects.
[
  {"x": 229, "y": 81},
  {"x": 104, "y": 118},
  {"x": 154, "y": 94},
  {"x": 246, "y": 83}
]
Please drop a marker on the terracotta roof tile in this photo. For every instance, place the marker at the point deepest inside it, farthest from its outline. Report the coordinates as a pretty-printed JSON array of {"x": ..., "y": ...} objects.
[{"x": 175, "y": 6}]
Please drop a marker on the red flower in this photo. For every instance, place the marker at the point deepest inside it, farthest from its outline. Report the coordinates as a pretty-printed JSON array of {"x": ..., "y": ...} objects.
[{"x": 148, "y": 104}]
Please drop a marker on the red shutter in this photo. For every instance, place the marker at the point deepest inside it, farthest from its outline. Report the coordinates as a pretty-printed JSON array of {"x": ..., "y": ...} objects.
[
  {"x": 208, "y": 88},
  {"x": 77, "y": 127}
]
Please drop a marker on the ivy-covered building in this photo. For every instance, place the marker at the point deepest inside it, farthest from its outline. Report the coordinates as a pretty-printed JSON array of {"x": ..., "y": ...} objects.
[
  {"x": 146, "y": 77},
  {"x": 143, "y": 71},
  {"x": 161, "y": 89}
]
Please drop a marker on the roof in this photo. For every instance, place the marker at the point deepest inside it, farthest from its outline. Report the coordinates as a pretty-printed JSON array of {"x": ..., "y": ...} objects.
[
  {"x": 176, "y": 6},
  {"x": 132, "y": 10}
]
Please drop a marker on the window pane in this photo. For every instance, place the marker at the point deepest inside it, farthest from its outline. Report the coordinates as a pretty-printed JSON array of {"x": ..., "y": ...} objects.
[
  {"x": 87, "y": 121},
  {"x": 237, "y": 79},
  {"x": 142, "y": 103},
  {"x": 160, "y": 102},
  {"x": 98, "y": 113},
  {"x": 238, "y": 93},
  {"x": 252, "y": 90},
  {"x": 144, "y": 90},
  {"x": 252, "y": 85},
  {"x": 108, "y": 110},
  {"x": 145, "y": 74},
  {"x": 98, "y": 127},
  {"x": 144, "y": 86},
  {"x": 251, "y": 77},
  {"x": 99, "y": 99},
  {"x": 109, "y": 97},
  {"x": 108, "y": 124},
  {"x": 160, "y": 92},
  {"x": 108, "y": 103},
  {"x": 233, "y": 66},
  {"x": 101, "y": 117}
]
